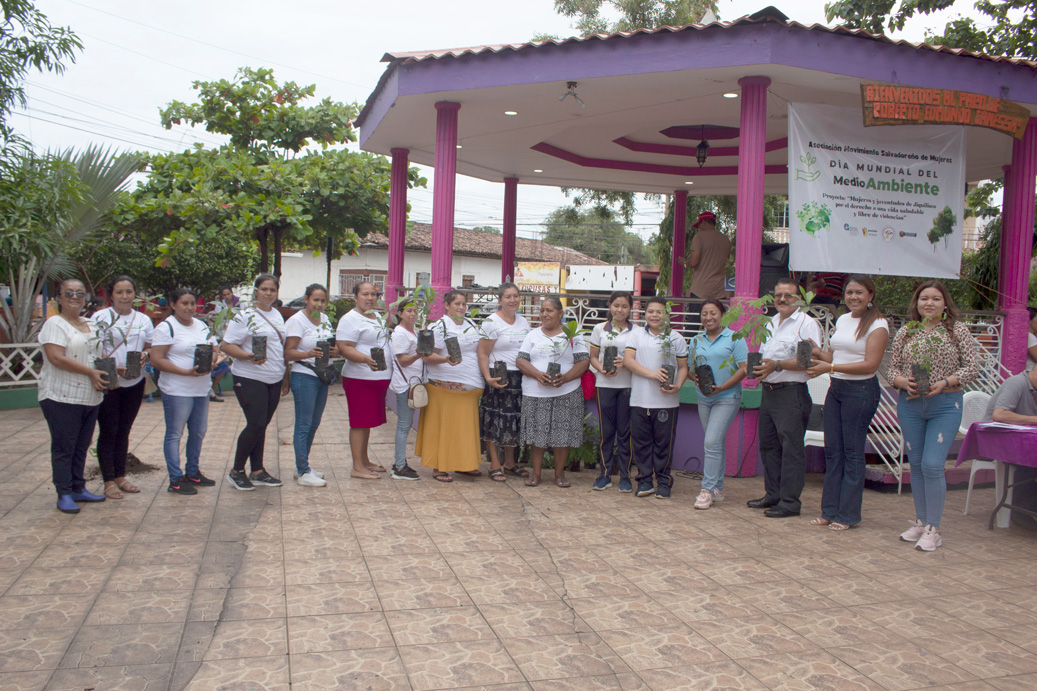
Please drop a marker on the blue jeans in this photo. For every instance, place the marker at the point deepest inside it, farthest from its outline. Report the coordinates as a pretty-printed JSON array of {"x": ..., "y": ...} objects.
[
  {"x": 849, "y": 408},
  {"x": 404, "y": 419},
  {"x": 310, "y": 398},
  {"x": 716, "y": 416},
  {"x": 192, "y": 411},
  {"x": 929, "y": 425}
]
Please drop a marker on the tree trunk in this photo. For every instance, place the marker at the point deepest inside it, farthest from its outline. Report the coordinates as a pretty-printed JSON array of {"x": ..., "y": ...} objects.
[
  {"x": 278, "y": 232},
  {"x": 264, "y": 255},
  {"x": 331, "y": 245}
]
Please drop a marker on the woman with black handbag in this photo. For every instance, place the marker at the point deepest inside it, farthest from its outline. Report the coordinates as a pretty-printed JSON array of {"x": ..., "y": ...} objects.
[
  {"x": 309, "y": 344},
  {"x": 410, "y": 368}
]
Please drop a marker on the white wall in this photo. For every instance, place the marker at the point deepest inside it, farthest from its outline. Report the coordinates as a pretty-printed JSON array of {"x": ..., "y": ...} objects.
[{"x": 299, "y": 270}]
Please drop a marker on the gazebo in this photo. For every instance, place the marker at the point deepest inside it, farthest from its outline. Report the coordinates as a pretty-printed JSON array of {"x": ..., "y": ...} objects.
[{"x": 624, "y": 111}]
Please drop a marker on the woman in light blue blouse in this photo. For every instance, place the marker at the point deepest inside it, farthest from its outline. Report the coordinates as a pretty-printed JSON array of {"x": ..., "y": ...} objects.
[{"x": 716, "y": 347}]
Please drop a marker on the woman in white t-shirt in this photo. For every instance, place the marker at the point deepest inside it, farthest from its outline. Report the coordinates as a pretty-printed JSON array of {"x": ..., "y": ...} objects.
[
  {"x": 552, "y": 406},
  {"x": 364, "y": 379},
  {"x": 448, "y": 430},
  {"x": 185, "y": 390},
  {"x": 69, "y": 393},
  {"x": 857, "y": 346},
  {"x": 408, "y": 368},
  {"x": 259, "y": 380},
  {"x": 500, "y": 409},
  {"x": 129, "y": 331},
  {"x": 303, "y": 331},
  {"x": 613, "y": 392}
]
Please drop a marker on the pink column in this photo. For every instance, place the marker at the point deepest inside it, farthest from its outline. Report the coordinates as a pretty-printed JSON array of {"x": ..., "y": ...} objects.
[
  {"x": 443, "y": 198},
  {"x": 1017, "y": 249},
  {"x": 1006, "y": 202},
  {"x": 507, "y": 258},
  {"x": 752, "y": 138},
  {"x": 397, "y": 223},
  {"x": 680, "y": 232}
]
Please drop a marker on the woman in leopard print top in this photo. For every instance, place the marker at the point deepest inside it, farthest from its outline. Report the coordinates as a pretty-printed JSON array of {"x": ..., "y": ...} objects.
[{"x": 931, "y": 422}]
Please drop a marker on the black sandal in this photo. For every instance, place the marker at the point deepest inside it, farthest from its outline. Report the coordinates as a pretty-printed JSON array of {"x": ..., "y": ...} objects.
[
  {"x": 517, "y": 471},
  {"x": 497, "y": 475}
]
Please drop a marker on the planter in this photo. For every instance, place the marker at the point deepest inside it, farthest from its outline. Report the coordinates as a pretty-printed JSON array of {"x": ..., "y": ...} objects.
[
  {"x": 325, "y": 353},
  {"x": 111, "y": 376},
  {"x": 378, "y": 355},
  {"x": 608, "y": 358},
  {"x": 203, "y": 357},
  {"x": 804, "y": 349},
  {"x": 132, "y": 364},
  {"x": 707, "y": 382},
  {"x": 554, "y": 370},
  {"x": 752, "y": 361},
  {"x": 671, "y": 373},
  {"x": 921, "y": 377},
  {"x": 426, "y": 342},
  {"x": 259, "y": 348},
  {"x": 500, "y": 371},
  {"x": 453, "y": 349}
]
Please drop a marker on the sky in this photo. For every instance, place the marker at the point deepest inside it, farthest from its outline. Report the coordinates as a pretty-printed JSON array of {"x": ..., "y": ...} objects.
[{"x": 139, "y": 56}]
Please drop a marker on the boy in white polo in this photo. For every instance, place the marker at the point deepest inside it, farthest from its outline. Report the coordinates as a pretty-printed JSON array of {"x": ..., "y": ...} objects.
[{"x": 653, "y": 405}]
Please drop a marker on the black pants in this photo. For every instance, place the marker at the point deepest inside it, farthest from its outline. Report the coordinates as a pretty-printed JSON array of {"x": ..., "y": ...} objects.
[
  {"x": 652, "y": 432},
  {"x": 71, "y": 430},
  {"x": 614, "y": 417},
  {"x": 115, "y": 418},
  {"x": 259, "y": 402},
  {"x": 784, "y": 413}
]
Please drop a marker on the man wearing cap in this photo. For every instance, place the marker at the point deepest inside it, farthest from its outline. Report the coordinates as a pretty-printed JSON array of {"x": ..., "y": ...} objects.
[{"x": 708, "y": 257}]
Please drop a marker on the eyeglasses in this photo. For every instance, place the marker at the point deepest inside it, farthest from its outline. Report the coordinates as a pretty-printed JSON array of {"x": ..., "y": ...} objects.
[
  {"x": 70, "y": 294},
  {"x": 784, "y": 296}
]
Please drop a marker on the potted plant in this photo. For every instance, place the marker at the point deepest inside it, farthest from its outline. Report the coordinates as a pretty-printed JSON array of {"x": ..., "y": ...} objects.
[
  {"x": 383, "y": 330},
  {"x": 704, "y": 376},
  {"x": 424, "y": 298},
  {"x": 753, "y": 330},
  {"x": 610, "y": 352},
  {"x": 922, "y": 349},
  {"x": 328, "y": 342},
  {"x": 106, "y": 363},
  {"x": 570, "y": 330},
  {"x": 805, "y": 347}
]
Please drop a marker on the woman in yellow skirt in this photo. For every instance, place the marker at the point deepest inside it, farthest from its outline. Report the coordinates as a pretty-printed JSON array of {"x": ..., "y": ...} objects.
[{"x": 448, "y": 429}]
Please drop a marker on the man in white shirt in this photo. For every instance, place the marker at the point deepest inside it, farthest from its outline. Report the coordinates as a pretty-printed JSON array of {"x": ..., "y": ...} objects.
[{"x": 785, "y": 407}]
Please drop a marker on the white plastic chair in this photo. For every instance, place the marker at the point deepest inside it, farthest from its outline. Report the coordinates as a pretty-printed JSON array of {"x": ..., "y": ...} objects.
[
  {"x": 818, "y": 388},
  {"x": 973, "y": 407}
]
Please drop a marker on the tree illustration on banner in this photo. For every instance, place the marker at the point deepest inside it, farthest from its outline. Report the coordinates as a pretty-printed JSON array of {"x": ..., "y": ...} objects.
[{"x": 943, "y": 225}]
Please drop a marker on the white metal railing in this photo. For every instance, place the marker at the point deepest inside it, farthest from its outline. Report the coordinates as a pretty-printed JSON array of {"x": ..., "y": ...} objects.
[{"x": 20, "y": 364}]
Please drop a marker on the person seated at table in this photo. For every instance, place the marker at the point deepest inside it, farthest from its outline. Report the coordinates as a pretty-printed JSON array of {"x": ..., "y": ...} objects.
[
  {"x": 1031, "y": 340},
  {"x": 1015, "y": 403}
]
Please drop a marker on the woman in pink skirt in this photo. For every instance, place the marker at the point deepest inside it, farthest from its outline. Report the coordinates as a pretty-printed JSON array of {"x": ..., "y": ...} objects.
[{"x": 365, "y": 377}]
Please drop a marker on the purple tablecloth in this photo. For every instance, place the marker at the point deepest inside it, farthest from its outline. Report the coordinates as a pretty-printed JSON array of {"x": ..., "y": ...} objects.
[{"x": 1015, "y": 446}]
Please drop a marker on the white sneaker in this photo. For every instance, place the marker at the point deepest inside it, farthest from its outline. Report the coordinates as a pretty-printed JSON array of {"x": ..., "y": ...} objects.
[
  {"x": 311, "y": 479},
  {"x": 312, "y": 472},
  {"x": 718, "y": 495},
  {"x": 930, "y": 540},
  {"x": 704, "y": 500},
  {"x": 914, "y": 532}
]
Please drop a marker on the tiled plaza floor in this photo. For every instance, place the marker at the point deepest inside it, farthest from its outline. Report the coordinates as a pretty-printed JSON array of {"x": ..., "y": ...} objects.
[{"x": 420, "y": 585}]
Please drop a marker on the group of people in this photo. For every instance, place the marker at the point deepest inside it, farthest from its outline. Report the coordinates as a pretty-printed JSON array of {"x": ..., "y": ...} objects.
[{"x": 505, "y": 384}]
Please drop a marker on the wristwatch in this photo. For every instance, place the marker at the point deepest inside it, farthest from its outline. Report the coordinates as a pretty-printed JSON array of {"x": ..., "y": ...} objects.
[{"x": 777, "y": 366}]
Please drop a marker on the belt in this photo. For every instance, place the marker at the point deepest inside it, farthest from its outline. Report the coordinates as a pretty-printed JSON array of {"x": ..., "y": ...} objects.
[{"x": 782, "y": 385}]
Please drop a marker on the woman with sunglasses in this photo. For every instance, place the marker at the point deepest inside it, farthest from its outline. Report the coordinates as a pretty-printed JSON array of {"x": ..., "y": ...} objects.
[{"x": 70, "y": 391}]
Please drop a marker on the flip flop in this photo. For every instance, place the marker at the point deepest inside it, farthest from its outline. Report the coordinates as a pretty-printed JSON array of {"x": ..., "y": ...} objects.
[
  {"x": 469, "y": 473},
  {"x": 112, "y": 491},
  {"x": 127, "y": 486},
  {"x": 442, "y": 477},
  {"x": 498, "y": 475},
  {"x": 364, "y": 476},
  {"x": 532, "y": 482},
  {"x": 820, "y": 521},
  {"x": 839, "y": 526},
  {"x": 562, "y": 482}
]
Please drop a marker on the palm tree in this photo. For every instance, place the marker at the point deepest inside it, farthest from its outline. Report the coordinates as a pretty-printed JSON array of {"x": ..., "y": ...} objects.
[{"x": 50, "y": 205}]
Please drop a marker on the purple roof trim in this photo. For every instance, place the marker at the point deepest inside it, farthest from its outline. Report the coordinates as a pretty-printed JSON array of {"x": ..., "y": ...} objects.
[
  {"x": 675, "y": 150},
  {"x": 609, "y": 164},
  {"x": 586, "y": 64}
]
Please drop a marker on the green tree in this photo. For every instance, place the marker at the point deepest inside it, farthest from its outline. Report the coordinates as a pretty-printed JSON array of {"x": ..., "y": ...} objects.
[
  {"x": 595, "y": 232},
  {"x": 27, "y": 42},
  {"x": 488, "y": 229},
  {"x": 593, "y": 16},
  {"x": 50, "y": 205}
]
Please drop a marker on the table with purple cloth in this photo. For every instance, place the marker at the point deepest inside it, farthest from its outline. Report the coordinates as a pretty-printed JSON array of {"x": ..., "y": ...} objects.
[{"x": 1011, "y": 447}]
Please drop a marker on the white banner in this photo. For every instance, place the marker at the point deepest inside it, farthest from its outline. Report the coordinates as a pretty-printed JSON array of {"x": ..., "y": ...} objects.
[{"x": 877, "y": 200}]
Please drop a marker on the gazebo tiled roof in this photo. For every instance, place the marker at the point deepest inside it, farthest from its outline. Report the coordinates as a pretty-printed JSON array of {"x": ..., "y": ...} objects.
[{"x": 479, "y": 243}]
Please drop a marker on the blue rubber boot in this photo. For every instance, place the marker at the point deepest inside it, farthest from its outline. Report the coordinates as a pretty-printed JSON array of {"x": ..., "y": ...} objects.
[
  {"x": 84, "y": 495},
  {"x": 66, "y": 504}
]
